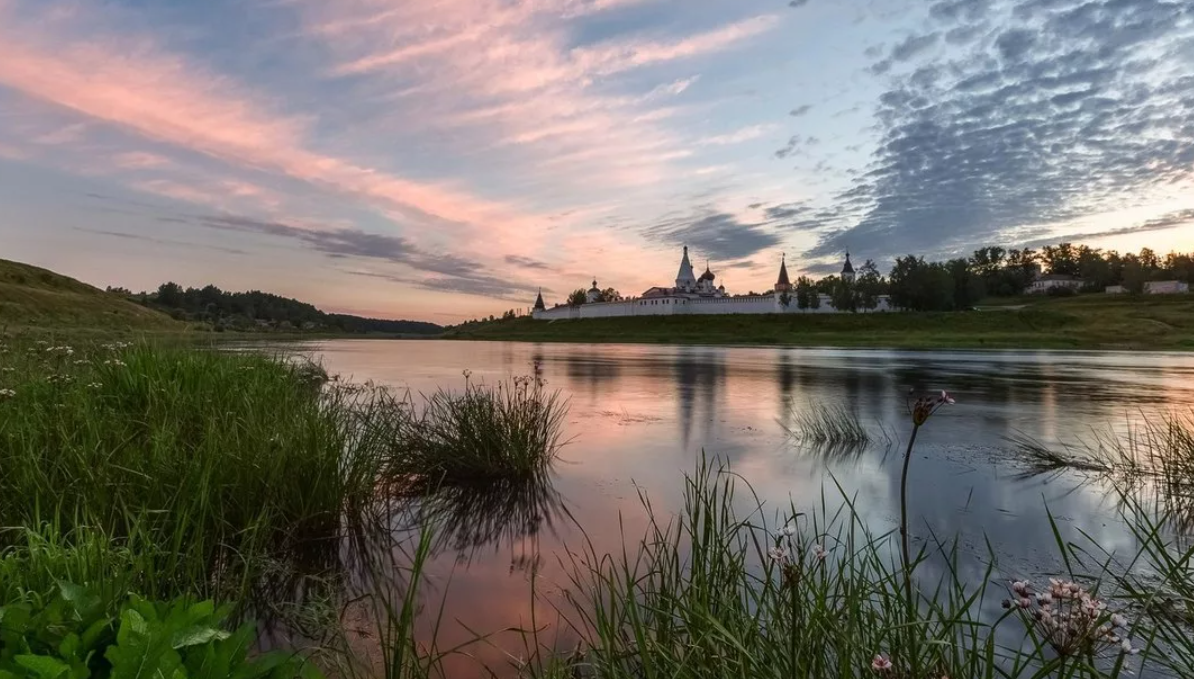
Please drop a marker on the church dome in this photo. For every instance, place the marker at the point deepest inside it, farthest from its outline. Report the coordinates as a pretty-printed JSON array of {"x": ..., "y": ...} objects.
[{"x": 707, "y": 276}]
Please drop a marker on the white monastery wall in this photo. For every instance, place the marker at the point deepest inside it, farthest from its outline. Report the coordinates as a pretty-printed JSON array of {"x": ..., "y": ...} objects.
[{"x": 677, "y": 306}]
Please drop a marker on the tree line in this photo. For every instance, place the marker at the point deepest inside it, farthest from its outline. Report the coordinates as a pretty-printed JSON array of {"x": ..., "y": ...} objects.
[
  {"x": 255, "y": 310},
  {"x": 955, "y": 284}
]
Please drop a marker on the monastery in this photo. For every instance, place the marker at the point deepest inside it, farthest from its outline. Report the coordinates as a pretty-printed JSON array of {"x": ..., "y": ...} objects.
[{"x": 696, "y": 295}]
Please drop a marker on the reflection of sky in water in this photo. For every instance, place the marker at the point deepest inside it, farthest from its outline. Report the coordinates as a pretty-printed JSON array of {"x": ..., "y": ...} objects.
[{"x": 641, "y": 415}]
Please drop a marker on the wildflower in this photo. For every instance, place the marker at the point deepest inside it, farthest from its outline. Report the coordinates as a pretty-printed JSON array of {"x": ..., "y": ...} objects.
[
  {"x": 7, "y": 370},
  {"x": 80, "y": 362},
  {"x": 925, "y": 406},
  {"x": 6, "y": 394},
  {"x": 788, "y": 530},
  {"x": 819, "y": 552},
  {"x": 1119, "y": 621},
  {"x": 115, "y": 361},
  {"x": 1044, "y": 598},
  {"x": 1125, "y": 646},
  {"x": 880, "y": 664},
  {"x": 777, "y": 554},
  {"x": 1020, "y": 587},
  {"x": 94, "y": 385}
]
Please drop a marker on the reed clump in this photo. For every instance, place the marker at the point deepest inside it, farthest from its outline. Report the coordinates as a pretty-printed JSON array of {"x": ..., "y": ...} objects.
[
  {"x": 507, "y": 430},
  {"x": 827, "y": 423}
]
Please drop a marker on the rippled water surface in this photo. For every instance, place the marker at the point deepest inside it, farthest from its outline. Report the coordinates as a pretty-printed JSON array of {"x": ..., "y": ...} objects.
[{"x": 640, "y": 417}]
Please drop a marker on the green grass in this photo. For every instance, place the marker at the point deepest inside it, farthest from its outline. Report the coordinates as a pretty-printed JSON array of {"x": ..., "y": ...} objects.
[
  {"x": 35, "y": 299},
  {"x": 481, "y": 433},
  {"x": 1084, "y": 322},
  {"x": 210, "y": 464}
]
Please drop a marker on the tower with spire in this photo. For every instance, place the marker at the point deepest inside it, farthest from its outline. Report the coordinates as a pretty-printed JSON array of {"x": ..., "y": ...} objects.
[
  {"x": 848, "y": 270},
  {"x": 783, "y": 284},
  {"x": 685, "y": 280},
  {"x": 539, "y": 305}
]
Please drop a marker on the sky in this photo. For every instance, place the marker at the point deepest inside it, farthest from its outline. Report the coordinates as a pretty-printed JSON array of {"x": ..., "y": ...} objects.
[{"x": 445, "y": 159}]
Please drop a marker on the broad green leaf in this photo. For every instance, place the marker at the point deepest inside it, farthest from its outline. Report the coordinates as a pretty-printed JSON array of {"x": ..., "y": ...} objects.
[
  {"x": 194, "y": 636},
  {"x": 43, "y": 666}
]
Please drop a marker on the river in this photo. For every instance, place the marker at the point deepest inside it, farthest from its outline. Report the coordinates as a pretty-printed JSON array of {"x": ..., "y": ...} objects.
[{"x": 641, "y": 417}]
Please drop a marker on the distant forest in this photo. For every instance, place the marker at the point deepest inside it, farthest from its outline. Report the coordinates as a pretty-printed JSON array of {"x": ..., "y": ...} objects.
[{"x": 261, "y": 311}]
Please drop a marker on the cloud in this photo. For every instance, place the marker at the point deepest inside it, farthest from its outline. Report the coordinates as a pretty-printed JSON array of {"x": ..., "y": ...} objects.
[
  {"x": 794, "y": 144},
  {"x": 913, "y": 46},
  {"x": 797, "y": 3},
  {"x": 713, "y": 234},
  {"x": 448, "y": 272},
  {"x": 133, "y": 83},
  {"x": 800, "y": 110},
  {"x": 738, "y": 136},
  {"x": 162, "y": 241},
  {"x": 1077, "y": 107},
  {"x": 1169, "y": 220},
  {"x": 526, "y": 262},
  {"x": 673, "y": 88}
]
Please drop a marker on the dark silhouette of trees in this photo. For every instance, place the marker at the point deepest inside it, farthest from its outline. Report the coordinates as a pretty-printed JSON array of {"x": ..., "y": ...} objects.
[{"x": 256, "y": 310}]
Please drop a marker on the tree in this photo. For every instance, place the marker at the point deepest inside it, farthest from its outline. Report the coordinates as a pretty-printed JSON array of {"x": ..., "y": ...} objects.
[
  {"x": 920, "y": 286},
  {"x": 967, "y": 287},
  {"x": 609, "y": 295},
  {"x": 1134, "y": 275},
  {"x": 785, "y": 300},
  {"x": 807, "y": 296},
  {"x": 1061, "y": 259},
  {"x": 843, "y": 297},
  {"x": 578, "y": 297},
  {"x": 868, "y": 285}
]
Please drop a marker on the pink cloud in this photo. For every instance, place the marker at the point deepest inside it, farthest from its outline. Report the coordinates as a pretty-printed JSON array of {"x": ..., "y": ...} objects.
[
  {"x": 131, "y": 82},
  {"x": 139, "y": 160},
  {"x": 507, "y": 73}
]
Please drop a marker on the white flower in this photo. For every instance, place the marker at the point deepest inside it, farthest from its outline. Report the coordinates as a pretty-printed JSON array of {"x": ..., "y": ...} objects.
[
  {"x": 777, "y": 553},
  {"x": 7, "y": 393},
  {"x": 1020, "y": 587},
  {"x": 1118, "y": 620},
  {"x": 94, "y": 385},
  {"x": 880, "y": 664},
  {"x": 1126, "y": 647},
  {"x": 788, "y": 530},
  {"x": 819, "y": 552},
  {"x": 1044, "y": 598}
]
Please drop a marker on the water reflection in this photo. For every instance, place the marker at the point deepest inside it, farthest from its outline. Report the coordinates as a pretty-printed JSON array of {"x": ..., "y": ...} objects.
[
  {"x": 470, "y": 519},
  {"x": 640, "y": 417}
]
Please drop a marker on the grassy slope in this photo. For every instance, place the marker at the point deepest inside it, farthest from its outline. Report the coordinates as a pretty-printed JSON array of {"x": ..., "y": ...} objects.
[
  {"x": 1093, "y": 322},
  {"x": 35, "y": 298}
]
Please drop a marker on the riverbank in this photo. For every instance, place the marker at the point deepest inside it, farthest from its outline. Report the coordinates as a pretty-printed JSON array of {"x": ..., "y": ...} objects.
[{"x": 1155, "y": 323}]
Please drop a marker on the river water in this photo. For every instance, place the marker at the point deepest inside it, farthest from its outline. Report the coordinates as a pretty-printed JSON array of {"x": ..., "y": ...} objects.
[{"x": 641, "y": 417}]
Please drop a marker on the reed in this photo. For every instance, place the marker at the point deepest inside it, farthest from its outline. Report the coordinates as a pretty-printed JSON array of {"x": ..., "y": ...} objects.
[
  {"x": 824, "y": 423},
  {"x": 508, "y": 430}
]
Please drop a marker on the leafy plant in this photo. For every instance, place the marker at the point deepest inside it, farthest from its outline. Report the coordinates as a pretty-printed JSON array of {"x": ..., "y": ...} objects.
[{"x": 68, "y": 633}]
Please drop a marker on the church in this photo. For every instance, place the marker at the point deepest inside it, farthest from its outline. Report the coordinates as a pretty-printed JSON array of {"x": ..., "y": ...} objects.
[{"x": 694, "y": 294}]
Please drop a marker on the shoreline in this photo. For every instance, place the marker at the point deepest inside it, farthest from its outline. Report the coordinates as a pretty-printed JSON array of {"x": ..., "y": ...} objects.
[{"x": 1150, "y": 324}]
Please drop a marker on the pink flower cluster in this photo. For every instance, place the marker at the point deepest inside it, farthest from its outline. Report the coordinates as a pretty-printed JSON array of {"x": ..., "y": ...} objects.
[{"x": 1071, "y": 619}]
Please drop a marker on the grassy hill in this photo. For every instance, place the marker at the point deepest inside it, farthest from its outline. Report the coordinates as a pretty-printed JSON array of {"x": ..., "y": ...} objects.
[
  {"x": 36, "y": 298},
  {"x": 1084, "y": 322}
]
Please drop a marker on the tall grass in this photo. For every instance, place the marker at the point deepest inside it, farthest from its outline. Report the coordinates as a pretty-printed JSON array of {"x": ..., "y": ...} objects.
[
  {"x": 210, "y": 462},
  {"x": 716, "y": 593},
  {"x": 509, "y": 430}
]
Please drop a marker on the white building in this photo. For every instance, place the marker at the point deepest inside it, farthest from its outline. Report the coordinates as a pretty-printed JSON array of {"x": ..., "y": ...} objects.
[
  {"x": 1166, "y": 287},
  {"x": 1050, "y": 281},
  {"x": 697, "y": 295}
]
